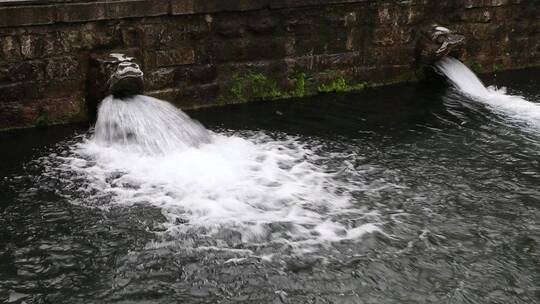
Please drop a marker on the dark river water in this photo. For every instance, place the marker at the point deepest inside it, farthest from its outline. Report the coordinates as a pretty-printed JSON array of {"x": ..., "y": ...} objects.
[{"x": 426, "y": 196}]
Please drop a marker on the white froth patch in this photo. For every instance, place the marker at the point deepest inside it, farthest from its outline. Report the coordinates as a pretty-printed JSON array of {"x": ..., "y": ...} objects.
[
  {"x": 145, "y": 151},
  {"x": 230, "y": 183}
]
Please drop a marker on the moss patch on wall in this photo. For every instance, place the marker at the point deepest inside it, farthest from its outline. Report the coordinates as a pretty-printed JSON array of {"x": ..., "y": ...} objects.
[
  {"x": 252, "y": 86},
  {"x": 335, "y": 82},
  {"x": 258, "y": 86},
  {"x": 299, "y": 89},
  {"x": 42, "y": 119}
]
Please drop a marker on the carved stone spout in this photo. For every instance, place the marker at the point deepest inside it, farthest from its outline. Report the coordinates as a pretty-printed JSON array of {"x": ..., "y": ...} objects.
[
  {"x": 125, "y": 76},
  {"x": 112, "y": 74},
  {"x": 435, "y": 41}
]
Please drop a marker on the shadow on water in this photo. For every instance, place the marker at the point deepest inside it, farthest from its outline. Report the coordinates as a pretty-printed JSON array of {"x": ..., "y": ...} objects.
[{"x": 452, "y": 186}]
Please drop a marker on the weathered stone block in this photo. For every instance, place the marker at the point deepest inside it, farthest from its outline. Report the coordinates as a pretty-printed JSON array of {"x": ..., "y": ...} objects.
[
  {"x": 483, "y": 3},
  {"x": 58, "y": 89},
  {"x": 392, "y": 55},
  {"x": 229, "y": 27},
  {"x": 69, "y": 109},
  {"x": 49, "y": 111},
  {"x": 161, "y": 78},
  {"x": 387, "y": 14},
  {"x": 299, "y": 25},
  {"x": 58, "y": 43},
  {"x": 27, "y": 15},
  {"x": 341, "y": 19},
  {"x": 131, "y": 36},
  {"x": 18, "y": 91},
  {"x": 78, "y": 12},
  {"x": 62, "y": 68},
  {"x": 97, "y": 35},
  {"x": 22, "y": 71},
  {"x": 11, "y": 48},
  {"x": 303, "y": 3},
  {"x": 32, "y": 46},
  {"x": 183, "y": 7},
  {"x": 324, "y": 43},
  {"x": 387, "y": 36},
  {"x": 240, "y": 49},
  {"x": 411, "y": 14},
  {"x": 477, "y": 15},
  {"x": 262, "y": 23},
  {"x": 202, "y": 74},
  {"x": 151, "y": 34},
  {"x": 173, "y": 57},
  {"x": 196, "y": 96},
  {"x": 136, "y": 8}
]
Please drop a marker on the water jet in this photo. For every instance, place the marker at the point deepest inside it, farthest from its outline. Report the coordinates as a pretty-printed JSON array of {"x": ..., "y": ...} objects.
[{"x": 513, "y": 108}]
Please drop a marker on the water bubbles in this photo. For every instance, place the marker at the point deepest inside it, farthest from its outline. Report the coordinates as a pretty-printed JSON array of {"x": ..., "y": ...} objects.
[{"x": 254, "y": 187}]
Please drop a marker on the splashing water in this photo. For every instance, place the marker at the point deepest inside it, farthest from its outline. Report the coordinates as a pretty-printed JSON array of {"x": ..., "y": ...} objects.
[
  {"x": 514, "y": 108},
  {"x": 146, "y": 151},
  {"x": 147, "y": 124}
]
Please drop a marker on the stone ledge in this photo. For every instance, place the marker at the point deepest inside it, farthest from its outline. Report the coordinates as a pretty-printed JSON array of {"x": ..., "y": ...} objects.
[
  {"x": 136, "y": 8},
  {"x": 34, "y": 12},
  {"x": 81, "y": 12},
  {"x": 39, "y": 12},
  {"x": 280, "y": 4},
  {"x": 27, "y": 15},
  {"x": 188, "y": 7},
  {"x": 24, "y": 15}
]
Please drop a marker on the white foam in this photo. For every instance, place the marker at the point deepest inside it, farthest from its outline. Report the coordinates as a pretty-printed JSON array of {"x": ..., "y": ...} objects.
[
  {"x": 264, "y": 188},
  {"x": 512, "y": 107}
]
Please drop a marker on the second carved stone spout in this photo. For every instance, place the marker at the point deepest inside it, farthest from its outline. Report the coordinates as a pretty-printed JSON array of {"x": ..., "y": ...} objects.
[{"x": 435, "y": 41}]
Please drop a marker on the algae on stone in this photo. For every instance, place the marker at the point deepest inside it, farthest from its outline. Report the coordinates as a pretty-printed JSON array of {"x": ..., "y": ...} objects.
[
  {"x": 299, "y": 89},
  {"x": 337, "y": 83},
  {"x": 253, "y": 86}
]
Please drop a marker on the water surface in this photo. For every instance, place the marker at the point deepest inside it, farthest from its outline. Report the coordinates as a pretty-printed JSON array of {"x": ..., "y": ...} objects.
[{"x": 408, "y": 194}]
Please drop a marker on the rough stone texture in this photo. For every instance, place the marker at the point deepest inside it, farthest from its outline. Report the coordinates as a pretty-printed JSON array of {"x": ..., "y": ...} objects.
[{"x": 202, "y": 53}]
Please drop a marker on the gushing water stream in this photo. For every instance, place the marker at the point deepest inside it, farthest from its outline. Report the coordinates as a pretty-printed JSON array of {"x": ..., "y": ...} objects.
[
  {"x": 514, "y": 108},
  {"x": 274, "y": 202},
  {"x": 146, "y": 151},
  {"x": 145, "y": 124}
]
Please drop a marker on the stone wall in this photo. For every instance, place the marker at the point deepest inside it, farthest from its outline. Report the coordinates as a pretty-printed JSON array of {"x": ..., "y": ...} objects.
[{"x": 198, "y": 53}]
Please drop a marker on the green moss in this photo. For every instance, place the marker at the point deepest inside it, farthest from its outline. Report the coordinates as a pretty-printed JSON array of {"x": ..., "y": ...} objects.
[
  {"x": 337, "y": 83},
  {"x": 340, "y": 85},
  {"x": 299, "y": 85},
  {"x": 237, "y": 89},
  {"x": 41, "y": 120},
  {"x": 253, "y": 86},
  {"x": 497, "y": 67}
]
